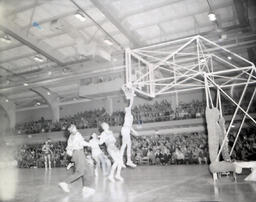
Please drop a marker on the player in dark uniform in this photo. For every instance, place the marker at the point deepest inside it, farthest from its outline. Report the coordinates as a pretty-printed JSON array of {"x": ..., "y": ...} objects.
[{"x": 47, "y": 154}]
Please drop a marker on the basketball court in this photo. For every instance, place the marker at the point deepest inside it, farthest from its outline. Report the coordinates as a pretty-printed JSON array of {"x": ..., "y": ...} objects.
[{"x": 176, "y": 183}]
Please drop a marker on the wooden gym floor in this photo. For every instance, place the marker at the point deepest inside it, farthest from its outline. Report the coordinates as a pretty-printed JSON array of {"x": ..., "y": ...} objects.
[{"x": 175, "y": 183}]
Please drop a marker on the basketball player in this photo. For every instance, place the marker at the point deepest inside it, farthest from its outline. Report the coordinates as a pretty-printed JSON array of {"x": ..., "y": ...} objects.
[
  {"x": 97, "y": 154},
  {"x": 108, "y": 138},
  {"x": 127, "y": 129},
  {"x": 47, "y": 154},
  {"x": 83, "y": 169}
]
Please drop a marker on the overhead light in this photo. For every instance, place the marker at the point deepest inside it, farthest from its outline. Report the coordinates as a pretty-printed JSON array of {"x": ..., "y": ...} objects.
[
  {"x": 108, "y": 42},
  {"x": 6, "y": 39},
  {"x": 49, "y": 73},
  {"x": 202, "y": 60},
  {"x": 6, "y": 100},
  {"x": 212, "y": 16},
  {"x": 229, "y": 57},
  {"x": 25, "y": 84},
  {"x": 38, "y": 58},
  {"x": 48, "y": 93},
  {"x": 38, "y": 103},
  {"x": 80, "y": 16}
]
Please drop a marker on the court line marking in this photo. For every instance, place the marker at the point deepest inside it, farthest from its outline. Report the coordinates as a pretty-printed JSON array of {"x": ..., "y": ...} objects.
[
  {"x": 162, "y": 187},
  {"x": 149, "y": 191}
]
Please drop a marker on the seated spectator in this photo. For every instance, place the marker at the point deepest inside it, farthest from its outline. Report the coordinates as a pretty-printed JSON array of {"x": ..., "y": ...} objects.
[
  {"x": 180, "y": 157},
  {"x": 151, "y": 156},
  {"x": 158, "y": 157}
]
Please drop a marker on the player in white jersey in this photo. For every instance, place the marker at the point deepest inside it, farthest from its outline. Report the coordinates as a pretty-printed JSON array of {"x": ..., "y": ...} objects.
[
  {"x": 83, "y": 168},
  {"x": 108, "y": 138},
  {"x": 127, "y": 129},
  {"x": 98, "y": 155}
]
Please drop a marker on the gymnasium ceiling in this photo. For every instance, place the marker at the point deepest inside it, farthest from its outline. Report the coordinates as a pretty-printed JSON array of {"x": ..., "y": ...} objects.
[{"x": 55, "y": 43}]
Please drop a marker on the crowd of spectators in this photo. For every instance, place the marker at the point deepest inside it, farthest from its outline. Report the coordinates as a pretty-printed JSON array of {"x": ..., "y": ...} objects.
[
  {"x": 150, "y": 150},
  {"x": 101, "y": 79},
  {"x": 189, "y": 148},
  {"x": 158, "y": 111},
  {"x": 29, "y": 156},
  {"x": 245, "y": 147},
  {"x": 170, "y": 149}
]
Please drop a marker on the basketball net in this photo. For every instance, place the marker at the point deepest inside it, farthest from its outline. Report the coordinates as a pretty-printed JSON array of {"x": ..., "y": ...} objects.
[{"x": 128, "y": 91}]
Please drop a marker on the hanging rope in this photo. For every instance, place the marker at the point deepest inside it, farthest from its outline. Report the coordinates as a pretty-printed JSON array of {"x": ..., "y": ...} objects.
[
  {"x": 210, "y": 96},
  {"x": 219, "y": 101},
  {"x": 206, "y": 92}
]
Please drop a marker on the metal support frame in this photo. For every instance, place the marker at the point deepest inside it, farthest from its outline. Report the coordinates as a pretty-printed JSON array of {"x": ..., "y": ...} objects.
[
  {"x": 242, "y": 123},
  {"x": 188, "y": 64}
]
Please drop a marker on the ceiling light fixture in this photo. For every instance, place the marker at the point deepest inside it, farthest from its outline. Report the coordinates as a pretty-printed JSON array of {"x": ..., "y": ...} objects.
[
  {"x": 38, "y": 58},
  {"x": 6, "y": 39},
  {"x": 108, "y": 42},
  {"x": 48, "y": 93},
  {"x": 212, "y": 16},
  {"x": 49, "y": 73},
  {"x": 80, "y": 16},
  {"x": 229, "y": 57},
  {"x": 202, "y": 60},
  {"x": 38, "y": 103},
  {"x": 25, "y": 84},
  {"x": 6, "y": 100}
]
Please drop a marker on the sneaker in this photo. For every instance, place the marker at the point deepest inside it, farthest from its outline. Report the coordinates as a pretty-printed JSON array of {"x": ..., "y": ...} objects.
[
  {"x": 64, "y": 187},
  {"x": 118, "y": 177},
  {"x": 70, "y": 165},
  {"x": 131, "y": 164},
  {"x": 123, "y": 166},
  {"x": 87, "y": 191},
  {"x": 111, "y": 179}
]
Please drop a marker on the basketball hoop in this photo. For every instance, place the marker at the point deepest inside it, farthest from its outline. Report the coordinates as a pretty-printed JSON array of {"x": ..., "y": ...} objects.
[{"x": 128, "y": 91}]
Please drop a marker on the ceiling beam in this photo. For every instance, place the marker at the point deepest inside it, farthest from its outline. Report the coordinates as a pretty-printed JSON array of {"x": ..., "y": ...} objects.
[
  {"x": 41, "y": 48},
  {"x": 87, "y": 26},
  {"x": 56, "y": 48},
  {"x": 242, "y": 41},
  {"x": 70, "y": 78},
  {"x": 102, "y": 6}
]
